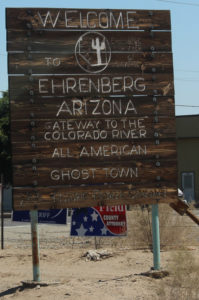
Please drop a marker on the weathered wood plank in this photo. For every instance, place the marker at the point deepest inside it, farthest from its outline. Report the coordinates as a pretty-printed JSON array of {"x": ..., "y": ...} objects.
[
  {"x": 47, "y": 108},
  {"x": 23, "y": 153},
  {"x": 100, "y": 129},
  {"x": 60, "y": 41},
  {"x": 67, "y": 64},
  {"x": 86, "y": 19},
  {"x": 135, "y": 84},
  {"x": 61, "y": 138},
  {"x": 54, "y": 173},
  {"x": 67, "y": 197}
]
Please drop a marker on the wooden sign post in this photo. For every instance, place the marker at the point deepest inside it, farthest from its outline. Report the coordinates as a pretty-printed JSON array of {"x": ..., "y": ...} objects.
[
  {"x": 156, "y": 236},
  {"x": 35, "y": 245},
  {"x": 92, "y": 107}
]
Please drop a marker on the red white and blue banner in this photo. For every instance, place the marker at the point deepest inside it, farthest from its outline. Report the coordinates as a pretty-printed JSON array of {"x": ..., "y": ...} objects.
[
  {"x": 99, "y": 221},
  {"x": 53, "y": 216}
]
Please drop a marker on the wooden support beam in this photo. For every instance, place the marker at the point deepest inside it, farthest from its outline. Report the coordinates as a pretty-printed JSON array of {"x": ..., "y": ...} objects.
[
  {"x": 182, "y": 208},
  {"x": 192, "y": 216}
]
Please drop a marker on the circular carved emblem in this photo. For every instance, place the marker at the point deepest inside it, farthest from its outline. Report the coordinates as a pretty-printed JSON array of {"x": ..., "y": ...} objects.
[{"x": 92, "y": 52}]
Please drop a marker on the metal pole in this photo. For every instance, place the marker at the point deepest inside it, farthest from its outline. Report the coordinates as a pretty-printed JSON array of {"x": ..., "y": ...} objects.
[
  {"x": 35, "y": 245},
  {"x": 156, "y": 237},
  {"x": 2, "y": 214}
]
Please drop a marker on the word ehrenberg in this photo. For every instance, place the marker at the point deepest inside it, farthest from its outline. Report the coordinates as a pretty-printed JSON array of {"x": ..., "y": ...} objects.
[{"x": 102, "y": 85}]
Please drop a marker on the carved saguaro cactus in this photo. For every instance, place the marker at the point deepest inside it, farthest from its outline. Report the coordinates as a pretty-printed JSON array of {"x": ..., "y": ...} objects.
[{"x": 98, "y": 47}]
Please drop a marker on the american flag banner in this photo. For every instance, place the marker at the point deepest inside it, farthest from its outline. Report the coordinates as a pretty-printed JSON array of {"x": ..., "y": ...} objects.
[{"x": 99, "y": 221}]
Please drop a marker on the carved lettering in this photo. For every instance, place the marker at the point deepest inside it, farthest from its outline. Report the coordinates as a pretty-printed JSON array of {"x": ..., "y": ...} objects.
[
  {"x": 97, "y": 107},
  {"x": 48, "y": 19},
  {"x": 103, "y": 85},
  {"x": 76, "y": 19},
  {"x": 66, "y": 175},
  {"x": 113, "y": 151}
]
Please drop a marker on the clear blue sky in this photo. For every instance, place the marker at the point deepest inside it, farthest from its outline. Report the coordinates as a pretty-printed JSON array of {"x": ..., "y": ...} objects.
[{"x": 185, "y": 40}]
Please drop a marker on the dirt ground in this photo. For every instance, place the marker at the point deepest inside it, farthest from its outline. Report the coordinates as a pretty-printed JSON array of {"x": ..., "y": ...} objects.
[
  {"x": 69, "y": 275},
  {"x": 114, "y": 278}
]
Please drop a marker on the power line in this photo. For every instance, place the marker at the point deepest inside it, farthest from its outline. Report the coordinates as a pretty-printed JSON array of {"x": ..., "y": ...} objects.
[
  {"x": 188, "y": 71},
  {"x": 181, "y": 3},
  {"x": 184, "y": 105},
  {"x": 187, "y": 79}
]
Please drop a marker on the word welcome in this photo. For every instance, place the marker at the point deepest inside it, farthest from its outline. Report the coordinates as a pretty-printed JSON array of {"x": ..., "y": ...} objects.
[{"x": 74, "y": 19}]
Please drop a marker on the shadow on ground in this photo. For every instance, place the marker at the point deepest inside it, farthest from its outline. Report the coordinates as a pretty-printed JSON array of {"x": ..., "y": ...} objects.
[{"x": 13, "y": 290}]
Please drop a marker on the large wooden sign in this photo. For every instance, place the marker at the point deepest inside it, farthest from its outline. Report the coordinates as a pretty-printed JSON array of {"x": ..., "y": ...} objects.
[{"x": 92, "y": 107}]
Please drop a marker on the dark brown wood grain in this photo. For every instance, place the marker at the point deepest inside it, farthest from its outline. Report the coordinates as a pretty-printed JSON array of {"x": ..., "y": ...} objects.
[
  {"x": 131, "y": 84},
  {"x": 67, "y": 197},
  {"x": 60, "y": 41},
  {"x": 47, "y": 108},
  {"x": 87, "y": 19},
  {"x": 23, "y": 153},
  {"x": 60, "y": 156},
  {"x": 125, "y": 63},
  {"x": 55, "y": 172},
  {"x": 73, "y": 130}
]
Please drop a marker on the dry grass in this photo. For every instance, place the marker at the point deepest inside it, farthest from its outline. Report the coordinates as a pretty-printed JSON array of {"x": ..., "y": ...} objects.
[
  {"x": 183, "y": 282},
  {"x": 175, "y": 231},
  {"x": 172, "y": 230}
]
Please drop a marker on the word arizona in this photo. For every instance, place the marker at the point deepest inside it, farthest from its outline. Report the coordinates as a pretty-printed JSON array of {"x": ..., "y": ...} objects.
[{"x": 96, "y": 107}]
